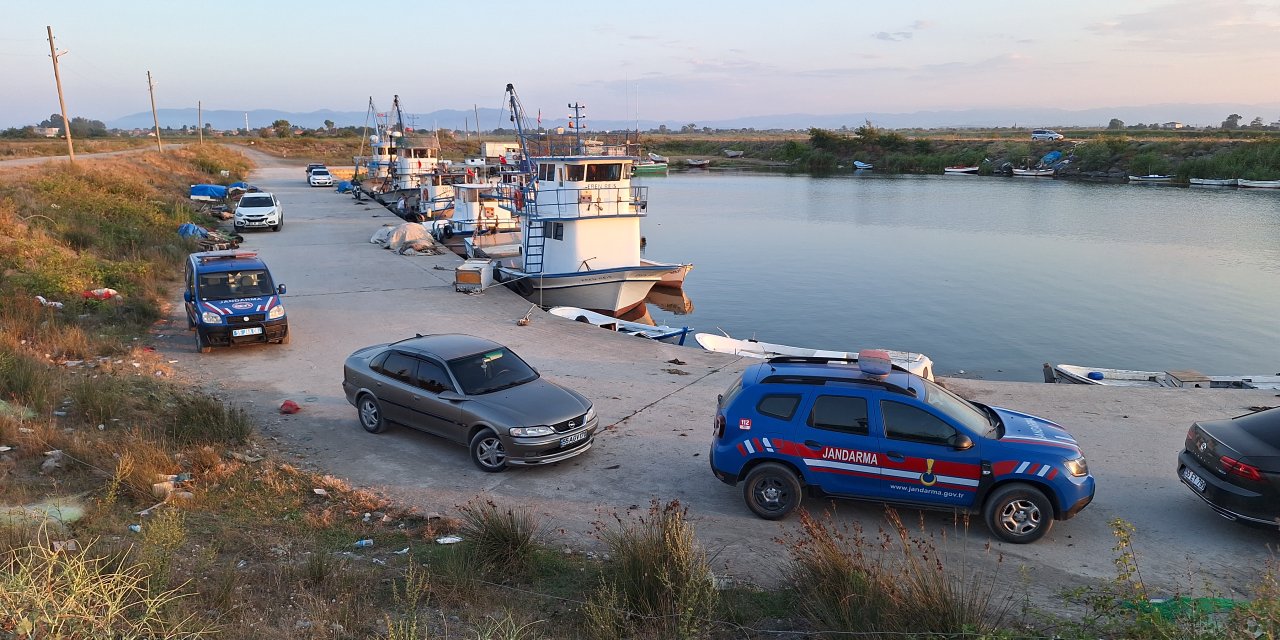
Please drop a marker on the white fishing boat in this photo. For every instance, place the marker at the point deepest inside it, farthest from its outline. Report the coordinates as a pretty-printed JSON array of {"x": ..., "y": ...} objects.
[
  {"x": 916, "y": 363},
  {"x": 1212, "y": 182},
  {"x": 476, "y": 208},
  {"x": 1259, "y": 184},
  {"x": 1033, "y": 173},
  {"x": 1151, "y": 178},
  {"x": 673, "y": 278},
  {"x": 1178, "y": 379},
  {"x": 661, "y": 333},
  {"x": 959, "y": 170},
  {"x": 580, "y": 223}
]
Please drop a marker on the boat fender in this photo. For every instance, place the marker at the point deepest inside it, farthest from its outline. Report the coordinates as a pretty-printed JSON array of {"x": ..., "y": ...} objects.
[
  {"x": 447, "y": 232},
  {"x": 1095, "y": 375}
]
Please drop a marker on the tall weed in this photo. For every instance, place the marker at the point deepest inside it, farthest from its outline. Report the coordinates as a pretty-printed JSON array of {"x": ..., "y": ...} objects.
[{"x": 503, "y": 538}]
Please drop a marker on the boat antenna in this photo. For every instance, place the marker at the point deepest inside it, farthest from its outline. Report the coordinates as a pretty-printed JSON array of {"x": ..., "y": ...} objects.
[{"x": 364, "y": 137}]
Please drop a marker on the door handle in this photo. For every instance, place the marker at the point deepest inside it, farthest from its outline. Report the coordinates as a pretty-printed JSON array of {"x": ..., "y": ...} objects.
[
  {"x": 813, "y": 444},
  {"x": 895, "y": 456}
]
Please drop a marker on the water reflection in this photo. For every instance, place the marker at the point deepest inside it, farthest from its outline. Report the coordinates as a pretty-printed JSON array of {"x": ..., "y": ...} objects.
[{"x": 671, "y": 300}]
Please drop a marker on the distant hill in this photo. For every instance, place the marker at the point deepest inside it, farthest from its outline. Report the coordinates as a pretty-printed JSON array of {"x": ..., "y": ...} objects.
[{"x": 1198, "y": 115}]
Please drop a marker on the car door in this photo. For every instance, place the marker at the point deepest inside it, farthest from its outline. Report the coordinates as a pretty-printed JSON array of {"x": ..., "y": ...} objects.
[
  {"x": 839, "y": 452},
  {"x": 922, "y": 461},
  {"x": 431, "y": 412},
  {"x": 189, "y": 298},
  {"x": 393, "y": 384}
]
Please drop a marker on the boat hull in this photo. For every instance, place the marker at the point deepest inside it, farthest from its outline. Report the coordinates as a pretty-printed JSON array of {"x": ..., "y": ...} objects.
[
  {"x": 1075, "y": 374},
  {"x": 1033, "y": 173},
  {"x": 1151, "y": 179},
  {"x": 960, "y": 171},
  {"x": 610, "y": 291},
  {"x": 673, "y": 278},
  {"x": 663, "y": 333},
  {"x": 916, "y": 363},
  {"x": 1213, "y": 182},
  {"x": 1259, "y": 184}
]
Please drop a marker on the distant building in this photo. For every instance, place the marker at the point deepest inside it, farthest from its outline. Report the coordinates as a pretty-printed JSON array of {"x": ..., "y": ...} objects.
[
  {"x": 1172, "y": 125},
  {"x": 48, "y": 132}
]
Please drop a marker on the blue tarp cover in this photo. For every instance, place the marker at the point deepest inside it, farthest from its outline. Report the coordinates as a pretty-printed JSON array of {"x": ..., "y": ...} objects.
[
  {"x": 238, "y": 185},
  {"x": 344, "y": 186},
  {"x": 187, "y": 230},
  {"x": 1050, "y": 158},
  {"x": 208, "y": 191}
]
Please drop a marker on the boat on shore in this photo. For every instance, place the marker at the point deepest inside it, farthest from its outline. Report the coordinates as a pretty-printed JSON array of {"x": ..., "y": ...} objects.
[
  {"x": 916, "y": 363},
  {"x": 1182, "y": 379},
  {"x": 1213, "y": 182},
  {"x": 960, "y": 170},
  {"x": 697, "y": 163},
  {"x": 1259, "y": 184},
  {"x": 733, "y": 153},
  {"x": 659, "y": 158},
  {"x": 661, "y": 333},
  {"x": 1153, "y": 178}
]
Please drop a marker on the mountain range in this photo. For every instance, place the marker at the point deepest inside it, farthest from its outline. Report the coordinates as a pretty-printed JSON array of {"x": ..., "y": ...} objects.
[{"x": 1197, "y": 115}]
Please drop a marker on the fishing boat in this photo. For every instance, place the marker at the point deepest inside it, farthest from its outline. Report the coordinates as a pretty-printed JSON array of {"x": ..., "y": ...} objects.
[
  {"x": 916, "y": 363},
  {"x": 733, "y": 153},
  {"x": 1182, "y": 379},
  {"x": 1213, "y": 182},
  {"x": 1034, "y": 173},
  {"x": 662, "y": 333},
  {"x": 649, "y": 167},
  {"x": 697, "y": 163},
  {"x": 476, "y": 208},
  {"x": 580, "y": 222},
  {"x": 960, "y": 170},
  {"x": 1152, "y": 178},
  {"x": 1259, "y": 184},
  {"x": 858, "y": 164},
  {"x": 658, "y": 158},
  {"x": 674, "y": 278}
]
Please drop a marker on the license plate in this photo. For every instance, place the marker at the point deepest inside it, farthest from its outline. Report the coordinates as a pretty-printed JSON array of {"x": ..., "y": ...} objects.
[
  {"x": 251, "y": 331},
  {"x": 577, "y": 437},
  {"x": 1195, "y": 480}
]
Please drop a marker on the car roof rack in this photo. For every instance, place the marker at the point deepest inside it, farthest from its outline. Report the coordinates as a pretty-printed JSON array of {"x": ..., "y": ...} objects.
[
  {"x": 823, "y": 380},
  {"x": 822, "y": 360},
  {"x": 227, "y": 254}
]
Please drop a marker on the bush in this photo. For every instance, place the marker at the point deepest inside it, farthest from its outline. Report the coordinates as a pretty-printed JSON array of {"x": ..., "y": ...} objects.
[{"x": 503, "y": 539}]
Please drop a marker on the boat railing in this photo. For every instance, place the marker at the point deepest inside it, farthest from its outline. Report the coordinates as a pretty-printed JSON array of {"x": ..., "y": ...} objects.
[{"x": 561, "y": 203}]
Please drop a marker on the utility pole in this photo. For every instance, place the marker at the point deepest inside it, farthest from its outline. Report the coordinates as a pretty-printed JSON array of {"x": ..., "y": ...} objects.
[
  {"x": 200, "y": 122},
  {"x": 66, "y": 122},
  {"x": 151, "y": 86}
]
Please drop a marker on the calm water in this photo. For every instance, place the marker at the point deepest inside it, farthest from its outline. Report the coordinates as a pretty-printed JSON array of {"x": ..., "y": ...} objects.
[{"x": 993, "y": 276}]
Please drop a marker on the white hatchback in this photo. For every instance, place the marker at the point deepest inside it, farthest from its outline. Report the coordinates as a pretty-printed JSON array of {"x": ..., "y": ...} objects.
[
  {"x": 1046, "y": 134},
  {"x": 320, "y": 178}
]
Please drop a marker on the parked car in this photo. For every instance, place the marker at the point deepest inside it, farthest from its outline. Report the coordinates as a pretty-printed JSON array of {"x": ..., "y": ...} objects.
[
  {"x": 471, "y": 391},
  {"x": 231, "y": 299},
  {"x": 868, "y": 430},
  {"x": 1046, "y": 134},
  {"x": 313, "y": 166},
  {"x": 259, "y": 210},
  {"x": 320, "y": 178},
  {"x": 1234, "y": 466}
]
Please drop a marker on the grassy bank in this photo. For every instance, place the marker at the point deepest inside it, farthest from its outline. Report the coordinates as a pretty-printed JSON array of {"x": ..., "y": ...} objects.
[
  {"x": 43, "y": 147},
  {"x": 185, "y": 524}
]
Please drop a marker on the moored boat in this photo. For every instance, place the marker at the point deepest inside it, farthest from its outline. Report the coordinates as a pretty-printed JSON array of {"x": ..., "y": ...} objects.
[
  {"x": 661, "y": 333},
  {"x": 1034, "y": 173},
  {"x": 658, "y": 158},
  {"x": 961, "y": 170},
  {"x": 1213, "y": 182},
  {"x": 1152, "y": 178},
  {"x": 1181, "y": 379},
  {"x": 697, "y": 163},
  {"x": 916, "y": 363},
  {"x": 858, "y": 164},
  {"x": 674, "y": 278},
  {"x": 1259, "y": 184},
  {"x": 644, "y": 167},
  {"x": 733, "y": 153}
]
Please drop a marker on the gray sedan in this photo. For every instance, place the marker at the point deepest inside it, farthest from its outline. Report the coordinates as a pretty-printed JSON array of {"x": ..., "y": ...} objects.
[{"x": 472, "y": 391}]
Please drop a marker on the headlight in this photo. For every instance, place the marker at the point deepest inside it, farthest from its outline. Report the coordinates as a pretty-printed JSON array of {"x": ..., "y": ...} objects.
[
  {"x": 531, "y": 432},
  {"x": 591, "y": 414},
  {"x": 209, "y": 317},
  {"x": 276, "y": 312},
  {"x": 1077, "y": 466}
]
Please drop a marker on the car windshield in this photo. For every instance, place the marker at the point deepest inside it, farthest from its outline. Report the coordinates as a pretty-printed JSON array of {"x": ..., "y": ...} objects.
[
  {"x": 255, "y": 201},
  {"x": 491, "y": 371},
  {"x": 320, "y": 172},
  {"x": 974, "y": 418},
  {"x": 228, "y": 285}
]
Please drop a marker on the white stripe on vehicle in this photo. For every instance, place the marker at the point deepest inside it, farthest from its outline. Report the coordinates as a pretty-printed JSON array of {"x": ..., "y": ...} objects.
[
  {"x": 1022, "y": 467},
  {"x": 750, "y": 449}
]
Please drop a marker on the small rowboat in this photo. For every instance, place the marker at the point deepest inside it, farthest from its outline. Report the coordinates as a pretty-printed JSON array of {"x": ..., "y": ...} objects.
[
  {"x": 858, "y": 164},
  {"x": 960, "y": 170},
  {"x": 661, "y": 333},
  {"x": 1260, "y": 184},
  {"x": 1213, "y": 182},
  {"x": 1152, "y": 178},
  {"x": 732, "y": 153},
  {"x": 697, "y": 163},
  {"x": 1070, "y": 373},
  {"x": 1034, "y": 173}
]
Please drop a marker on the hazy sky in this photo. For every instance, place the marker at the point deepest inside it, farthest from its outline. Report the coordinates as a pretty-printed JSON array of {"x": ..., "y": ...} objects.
[{"x": 651, "y": 59}]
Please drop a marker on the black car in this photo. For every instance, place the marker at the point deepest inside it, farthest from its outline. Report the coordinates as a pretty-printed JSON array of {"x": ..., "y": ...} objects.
[
  {"x": 474, "y": 392},
  {"x": 1234, "y": 465}
]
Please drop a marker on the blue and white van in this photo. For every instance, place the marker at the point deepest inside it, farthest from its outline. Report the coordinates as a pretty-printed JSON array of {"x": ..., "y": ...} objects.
[{"x": 231, "y": 299}]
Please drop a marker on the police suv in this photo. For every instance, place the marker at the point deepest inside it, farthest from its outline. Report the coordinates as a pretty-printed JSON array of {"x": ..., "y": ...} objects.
[
  {"x": 862, "y": 428},
  {"x": 231, "y": 299}
]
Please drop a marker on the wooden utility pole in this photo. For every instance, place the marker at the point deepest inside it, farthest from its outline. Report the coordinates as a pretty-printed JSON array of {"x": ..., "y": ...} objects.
[
  {"x": 200, "y": 121},
  {"x": 66, "y": 122},
  {"x": 151, "y": 86}
]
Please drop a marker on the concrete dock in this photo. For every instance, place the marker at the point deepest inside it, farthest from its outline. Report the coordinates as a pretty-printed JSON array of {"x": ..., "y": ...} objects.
[{"x": 345, "y": 293}]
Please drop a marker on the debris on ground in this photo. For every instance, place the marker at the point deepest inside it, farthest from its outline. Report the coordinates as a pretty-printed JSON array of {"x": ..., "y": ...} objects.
[
  {"x": 289, "y": 407},
  {"x": 244, "y": 457},
  {"x": 448, "y": 539},
  {"x": 48, "y": 303},
  {"x": 102, "y": 293}
]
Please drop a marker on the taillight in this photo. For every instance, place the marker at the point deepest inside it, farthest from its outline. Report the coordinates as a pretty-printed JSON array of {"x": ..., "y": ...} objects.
[
  {"x": 719, "y": 428},
  {"x": 1235, "y": 467}
]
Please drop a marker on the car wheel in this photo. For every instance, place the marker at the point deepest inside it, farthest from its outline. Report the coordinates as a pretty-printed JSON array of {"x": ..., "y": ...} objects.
[
  {"x": 487, "y": 451},
  {"x": 278, "y": 226},
  {"x": 285, "y": 339},
  {"x": 1018, "y": 513},
  {"x": 370, "y": 413},
  {"x": 201, "y": 344},
  {"x": 772, "y": 491}
]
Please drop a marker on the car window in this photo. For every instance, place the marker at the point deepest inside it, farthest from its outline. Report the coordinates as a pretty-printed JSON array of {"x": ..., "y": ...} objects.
[
  {"x": 913, "y": 424},
  {"x": 432, "y": 377},
  {"x": 256, "y": 201},
  {"x": 778, "y": 406},
  {"x": 839, "y": 413},
  {"x": 226, "y": 285},
  {"x": 727, "y": 398},
  {"x": 1263, "y": 425},
  {"x": 399, "y": 366},
  {"x": 491, "y": 371}
]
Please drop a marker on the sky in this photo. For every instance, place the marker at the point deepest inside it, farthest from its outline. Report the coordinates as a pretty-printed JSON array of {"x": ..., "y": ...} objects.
[{"x": 650, "y": 59}]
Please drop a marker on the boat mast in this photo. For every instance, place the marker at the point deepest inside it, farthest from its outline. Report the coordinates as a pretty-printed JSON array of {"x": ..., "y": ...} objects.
[
  {"x": 575, "y": 121},
  {"x": 517, "y": 117},
  {"x": 364, "y": 137}
]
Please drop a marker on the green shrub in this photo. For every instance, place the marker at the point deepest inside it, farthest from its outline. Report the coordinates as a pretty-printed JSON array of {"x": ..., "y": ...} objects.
[{"x": 503, "y": 538}]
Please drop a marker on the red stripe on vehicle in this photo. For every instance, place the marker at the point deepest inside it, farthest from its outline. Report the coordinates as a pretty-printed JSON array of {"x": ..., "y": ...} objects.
[
  {"x": 741, "y": 449},
  {"x": 1005, "y": 467},
  {"x": 1052, "y": 472}
]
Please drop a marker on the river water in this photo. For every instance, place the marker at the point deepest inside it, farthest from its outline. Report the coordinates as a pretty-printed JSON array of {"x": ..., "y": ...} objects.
[{"x": 991, "y": 276}]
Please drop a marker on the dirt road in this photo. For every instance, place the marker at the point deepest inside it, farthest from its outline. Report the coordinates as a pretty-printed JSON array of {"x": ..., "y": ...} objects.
[{"x": 345, "y": 293}]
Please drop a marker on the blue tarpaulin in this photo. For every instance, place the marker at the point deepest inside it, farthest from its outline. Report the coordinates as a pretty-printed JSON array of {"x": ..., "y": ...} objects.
[
  {"x": 238, "y": 185},
  {"x": 208, "y": 191},
  {"x": 187, "y": 230},
  {"x": 344, "y": 186}
]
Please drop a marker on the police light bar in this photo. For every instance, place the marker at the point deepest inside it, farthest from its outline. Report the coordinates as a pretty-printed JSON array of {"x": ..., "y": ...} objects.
[{"x": 874, "y": 362}]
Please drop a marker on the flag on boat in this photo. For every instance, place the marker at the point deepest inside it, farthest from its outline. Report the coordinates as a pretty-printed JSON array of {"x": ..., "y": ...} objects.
[{"x": 539, "y": 117}]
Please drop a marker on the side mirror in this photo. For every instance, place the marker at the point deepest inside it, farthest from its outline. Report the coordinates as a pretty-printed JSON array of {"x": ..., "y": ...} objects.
[
  {"x": 451, "y": 396},
  {"x": 186, "y": 295},
  {"x": 280, "y": 289},
  {"x": 961, "y": 442}
]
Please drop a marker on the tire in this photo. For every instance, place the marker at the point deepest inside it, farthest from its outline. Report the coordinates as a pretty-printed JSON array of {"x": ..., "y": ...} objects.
[
  {"x": 369, "y": 411},
  {"x": 487, "y": 451},
  {"x": 286, "y": 339},
  {"x": 278, "y": 226},
  {"x": 772, "y": 491},
  {"x": 201, "y": 345},
  {"x": 1018, "y": 513}
]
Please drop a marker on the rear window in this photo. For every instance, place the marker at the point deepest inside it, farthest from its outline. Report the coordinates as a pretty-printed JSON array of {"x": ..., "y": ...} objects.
[
  {"x": 320, "y": 172},
  {"x": 1263, "y": 425},
  {"x": 781, "y": 407}
]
